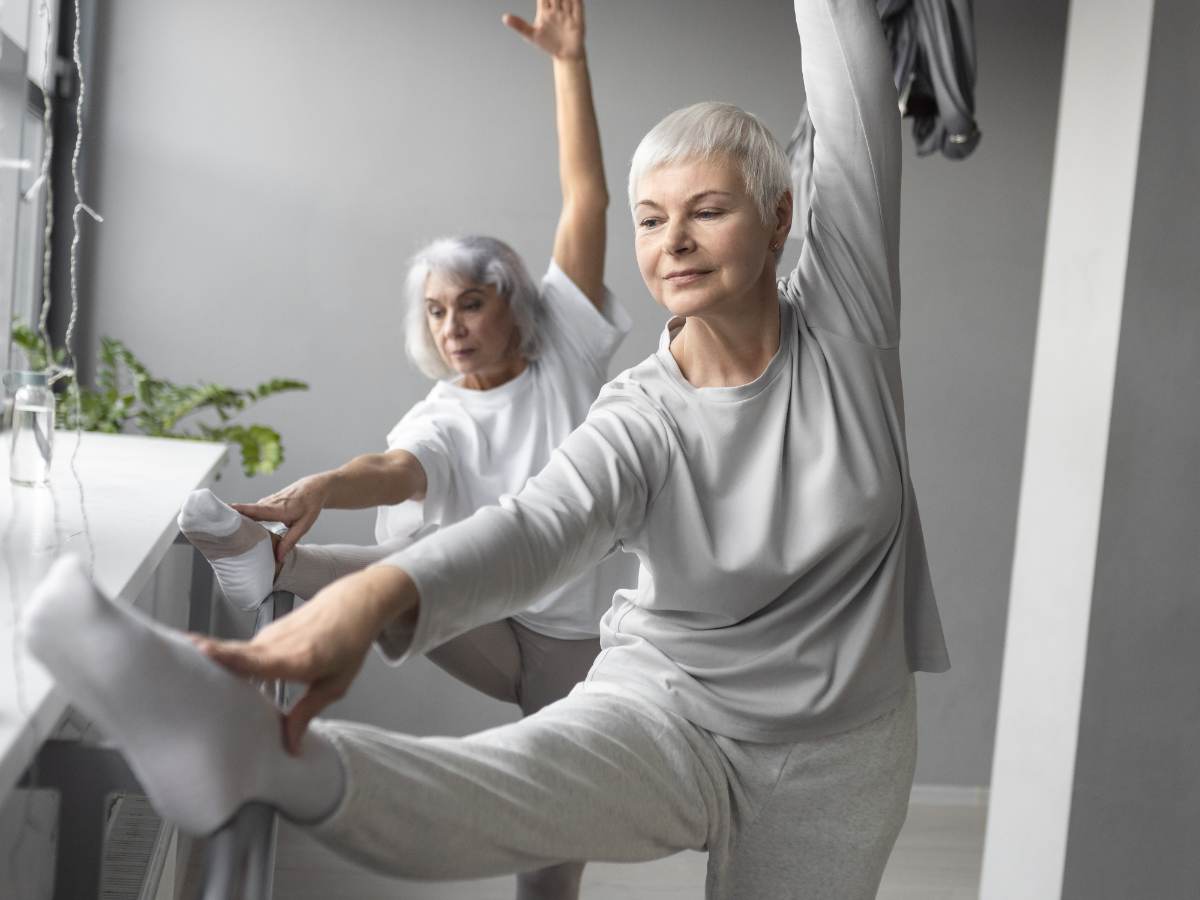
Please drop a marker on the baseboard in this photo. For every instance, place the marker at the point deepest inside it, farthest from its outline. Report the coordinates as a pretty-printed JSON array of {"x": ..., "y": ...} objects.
[{"x": 948, "y": 795}]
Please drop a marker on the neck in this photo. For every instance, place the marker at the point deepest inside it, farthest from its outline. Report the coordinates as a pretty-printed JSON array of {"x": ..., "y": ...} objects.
[
  {"x": 734, "y": 344},
  {"x": 499, "y": 374}
]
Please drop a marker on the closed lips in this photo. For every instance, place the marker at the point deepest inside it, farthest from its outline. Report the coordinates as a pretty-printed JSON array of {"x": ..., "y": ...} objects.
[{"x": 685, "y": 275}]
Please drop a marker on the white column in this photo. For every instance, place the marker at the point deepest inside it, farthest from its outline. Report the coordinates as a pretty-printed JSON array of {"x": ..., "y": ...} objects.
[{"x": 1083, "y": 283}]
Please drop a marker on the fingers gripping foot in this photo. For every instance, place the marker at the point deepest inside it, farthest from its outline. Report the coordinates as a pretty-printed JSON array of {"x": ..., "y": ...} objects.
[{"x": 239, "y": 549}]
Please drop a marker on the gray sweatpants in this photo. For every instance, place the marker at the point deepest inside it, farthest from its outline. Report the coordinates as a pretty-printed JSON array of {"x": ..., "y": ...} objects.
[
  {"x": 505, "y": 660},
  {"x": 611, "y": 776}
]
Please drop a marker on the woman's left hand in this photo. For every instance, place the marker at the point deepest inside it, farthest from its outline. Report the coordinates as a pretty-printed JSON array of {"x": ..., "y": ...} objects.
[
  {"x": 323, "y": 643},
  {"x": 557, "y": 28}
]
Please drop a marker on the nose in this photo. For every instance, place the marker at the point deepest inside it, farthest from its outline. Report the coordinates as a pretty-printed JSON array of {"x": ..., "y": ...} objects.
[
  {"x": 455, "y": 324},
  {"x": 677, "y": 238}
]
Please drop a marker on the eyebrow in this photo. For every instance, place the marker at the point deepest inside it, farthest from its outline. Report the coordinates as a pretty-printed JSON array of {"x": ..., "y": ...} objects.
[
  {"x": 459, "y": 296},
  {"x": 692, "y": 199}
]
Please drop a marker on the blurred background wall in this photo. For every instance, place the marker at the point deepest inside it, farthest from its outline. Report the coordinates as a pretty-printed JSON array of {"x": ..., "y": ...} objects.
[{"x": 265, "y": 169}]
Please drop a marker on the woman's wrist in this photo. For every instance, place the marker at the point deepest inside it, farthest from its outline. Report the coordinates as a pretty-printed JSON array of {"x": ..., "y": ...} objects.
[
  {"x": 325, "y": 486},
  {"x": 390, "y": 596}
]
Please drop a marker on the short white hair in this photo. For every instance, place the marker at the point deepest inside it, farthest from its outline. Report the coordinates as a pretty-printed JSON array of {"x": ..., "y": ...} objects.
[
  {"x": 708, "y": 130},
  {"x": 473, "y": 259}
]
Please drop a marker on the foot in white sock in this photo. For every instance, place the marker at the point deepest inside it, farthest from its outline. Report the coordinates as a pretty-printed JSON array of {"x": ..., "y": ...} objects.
[
  {"x": 201, "y": 740},
  {"x": 238, "y": 549}
]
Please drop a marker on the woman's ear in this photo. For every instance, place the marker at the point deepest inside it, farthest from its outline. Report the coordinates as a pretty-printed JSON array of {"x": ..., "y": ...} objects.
[
  {"x": 514, "y": 341},
  {"x": 783, "y": 219}
]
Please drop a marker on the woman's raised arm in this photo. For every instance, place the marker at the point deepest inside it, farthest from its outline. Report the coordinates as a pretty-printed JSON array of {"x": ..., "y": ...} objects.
[
  {"x": 579, "y": 241},
  {"x": 849, "y": 270}
]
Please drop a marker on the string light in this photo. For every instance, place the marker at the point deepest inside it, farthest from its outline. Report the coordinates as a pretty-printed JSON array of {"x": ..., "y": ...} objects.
[
  {"x": 43, "y": 178},
  {"x": 57, "y": 371},
  {"x": 69, "y": 340}
]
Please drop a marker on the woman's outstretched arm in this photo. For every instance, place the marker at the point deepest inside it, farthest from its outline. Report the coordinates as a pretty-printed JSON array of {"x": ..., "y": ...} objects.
[
  {"x": 579, "y": 241},
  {"x": 849, "y": 269},
  {"x": 374, "y": 479}
]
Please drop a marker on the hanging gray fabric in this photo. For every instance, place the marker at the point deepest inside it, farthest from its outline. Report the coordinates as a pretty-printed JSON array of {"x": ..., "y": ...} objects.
[{"x": 933, "y": 64}]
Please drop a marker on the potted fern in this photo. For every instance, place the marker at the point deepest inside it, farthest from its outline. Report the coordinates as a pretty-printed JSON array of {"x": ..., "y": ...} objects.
[{"x": 127, "y": 395}]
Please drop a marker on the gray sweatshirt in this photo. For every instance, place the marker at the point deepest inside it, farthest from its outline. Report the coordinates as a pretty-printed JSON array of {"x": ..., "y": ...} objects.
[{"x": 784, "y": 591}]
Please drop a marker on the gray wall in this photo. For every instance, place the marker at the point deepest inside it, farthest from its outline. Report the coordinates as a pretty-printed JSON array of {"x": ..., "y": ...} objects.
[
  {"x": 972, "y": 241},
  {"x": 1135, "y": 812},
  {"x": 265, "y": 168}
]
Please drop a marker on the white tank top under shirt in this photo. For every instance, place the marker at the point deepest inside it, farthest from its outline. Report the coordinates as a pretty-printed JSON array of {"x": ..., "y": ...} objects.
[{"x": 477, "y": 446}]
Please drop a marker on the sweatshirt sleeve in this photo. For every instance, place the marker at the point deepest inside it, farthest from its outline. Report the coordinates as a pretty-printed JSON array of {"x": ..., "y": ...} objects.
[
  {"x": 591, "y": 495},
  {"x": 847, "y": 280}
]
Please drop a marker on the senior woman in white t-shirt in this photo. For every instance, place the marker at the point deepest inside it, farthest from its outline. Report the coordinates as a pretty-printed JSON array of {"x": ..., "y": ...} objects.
[{"x": 754, "y": 695}]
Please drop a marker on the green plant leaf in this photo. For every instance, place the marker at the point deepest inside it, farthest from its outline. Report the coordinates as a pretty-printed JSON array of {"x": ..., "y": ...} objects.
[
  {"x": 262, "y": 449},
  {"x": 278, "y": 386},
  {"x": 33, "y": 345}
]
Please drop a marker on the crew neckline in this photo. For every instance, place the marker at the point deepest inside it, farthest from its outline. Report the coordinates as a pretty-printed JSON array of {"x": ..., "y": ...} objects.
[
  {"x": 736, "y": 393},
  {"x": 502, "y": 393}
]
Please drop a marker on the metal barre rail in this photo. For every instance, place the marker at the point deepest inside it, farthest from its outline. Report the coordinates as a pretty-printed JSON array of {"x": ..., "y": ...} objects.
[{"x": 239, "y": 858}]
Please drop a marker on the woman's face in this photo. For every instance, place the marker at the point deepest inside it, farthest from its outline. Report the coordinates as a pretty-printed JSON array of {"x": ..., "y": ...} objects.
[
  {"x": 472, "y": 328},
  {"x": 701, "y": 244}
]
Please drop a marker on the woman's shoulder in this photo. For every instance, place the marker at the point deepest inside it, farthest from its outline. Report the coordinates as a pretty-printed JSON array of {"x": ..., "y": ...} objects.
[
  {"x": 642, "y": 392},
  {"x": 439, "y": 412},
  {"x": 644, "y": 379}
]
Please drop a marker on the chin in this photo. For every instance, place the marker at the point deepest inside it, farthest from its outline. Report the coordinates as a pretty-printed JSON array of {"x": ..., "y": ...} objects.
[
  {"x": 461, "y": 366},
  {"x": 475, "y": 367},
  {"x": 688, "y": 303}
]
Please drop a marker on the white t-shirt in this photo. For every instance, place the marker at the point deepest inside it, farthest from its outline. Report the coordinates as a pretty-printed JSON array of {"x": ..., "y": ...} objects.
[{"x": 477, "y": 446}]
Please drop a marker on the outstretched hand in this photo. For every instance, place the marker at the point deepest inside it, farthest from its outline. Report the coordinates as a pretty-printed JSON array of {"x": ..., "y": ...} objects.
[
  {"x": 323, "y": 643},
  {"x": 297, "y": 506},
  {"x": 557, "y": 28}
]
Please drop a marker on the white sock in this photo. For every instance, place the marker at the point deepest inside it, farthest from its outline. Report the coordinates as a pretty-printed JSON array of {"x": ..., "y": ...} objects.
[
  {"x": 238, "y": 549},
  {"x": 201, "y": 740}
]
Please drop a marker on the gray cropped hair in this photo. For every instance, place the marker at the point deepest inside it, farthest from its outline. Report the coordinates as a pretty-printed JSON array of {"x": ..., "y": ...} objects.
[
  {"x": 710, "y": 129},
  {"x": 476, "y": 259}
]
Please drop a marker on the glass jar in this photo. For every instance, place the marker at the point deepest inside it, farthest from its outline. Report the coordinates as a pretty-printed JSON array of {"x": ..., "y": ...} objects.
[{"x": 32, "y": 430}]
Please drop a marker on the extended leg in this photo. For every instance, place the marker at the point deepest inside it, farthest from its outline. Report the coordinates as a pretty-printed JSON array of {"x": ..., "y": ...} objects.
[
  {"x": 200, "y": 740},
  {"x": 310, "y": 567},
  {"x": 595, "y": 776},
  {"x": 239, "y": 550}
]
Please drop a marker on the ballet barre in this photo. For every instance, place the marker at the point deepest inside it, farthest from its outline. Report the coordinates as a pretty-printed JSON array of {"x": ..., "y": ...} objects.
[{"x": 239, "y": 858}]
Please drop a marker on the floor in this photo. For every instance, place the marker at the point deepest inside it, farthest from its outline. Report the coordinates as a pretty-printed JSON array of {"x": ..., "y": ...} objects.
[{"x": 937, "y": 857}]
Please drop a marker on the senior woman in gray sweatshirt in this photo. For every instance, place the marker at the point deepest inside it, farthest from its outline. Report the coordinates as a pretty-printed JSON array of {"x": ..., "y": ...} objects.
[{"x": 754, "y": 696}]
